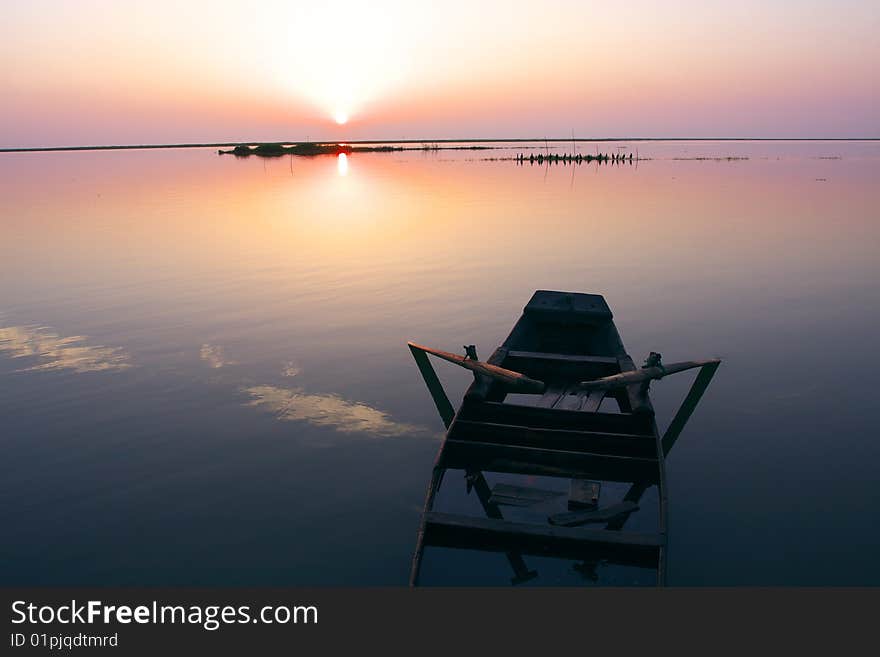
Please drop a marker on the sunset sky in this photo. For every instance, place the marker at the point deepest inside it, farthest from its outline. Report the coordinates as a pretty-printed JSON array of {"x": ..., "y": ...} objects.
[{"x": 102, "y": 72}]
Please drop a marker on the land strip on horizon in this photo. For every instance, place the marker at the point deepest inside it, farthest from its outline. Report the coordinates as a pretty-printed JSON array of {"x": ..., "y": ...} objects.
[{"x": 515, "y": 140}]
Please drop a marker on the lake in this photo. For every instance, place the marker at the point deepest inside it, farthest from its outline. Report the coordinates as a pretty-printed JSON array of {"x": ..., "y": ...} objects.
[{"x": 204, "y": 377}]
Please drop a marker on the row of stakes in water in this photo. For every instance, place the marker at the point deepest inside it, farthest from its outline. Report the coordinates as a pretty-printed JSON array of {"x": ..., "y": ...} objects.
[{"x": 565, "y": 158}]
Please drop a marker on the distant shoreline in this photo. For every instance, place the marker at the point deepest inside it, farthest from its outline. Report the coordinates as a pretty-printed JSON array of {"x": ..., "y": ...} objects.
[{"x": 518, "y": 140}]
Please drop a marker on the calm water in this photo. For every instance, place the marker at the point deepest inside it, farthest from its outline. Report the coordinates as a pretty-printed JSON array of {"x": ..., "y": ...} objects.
[{"x": 204, "y": 378}]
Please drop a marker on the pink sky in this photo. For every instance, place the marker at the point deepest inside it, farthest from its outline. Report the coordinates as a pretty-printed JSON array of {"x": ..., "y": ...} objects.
[{"x": 99, "y": 72}]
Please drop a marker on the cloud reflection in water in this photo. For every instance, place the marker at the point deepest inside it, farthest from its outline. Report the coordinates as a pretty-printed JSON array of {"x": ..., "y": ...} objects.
[
  {"x": 214, "y": 356},
  {"x": 59, "y": 353},
  {"x": 328, "y": 410}
]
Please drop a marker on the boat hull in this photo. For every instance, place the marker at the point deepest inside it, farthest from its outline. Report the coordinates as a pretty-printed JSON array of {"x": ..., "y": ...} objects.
[{"x": 561, "y": 437}]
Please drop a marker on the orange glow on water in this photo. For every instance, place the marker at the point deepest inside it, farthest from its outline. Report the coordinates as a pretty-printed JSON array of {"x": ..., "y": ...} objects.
[{"x": 236, "y": 213}]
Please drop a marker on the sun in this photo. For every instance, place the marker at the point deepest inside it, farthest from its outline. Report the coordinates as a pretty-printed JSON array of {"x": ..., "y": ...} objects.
[{"x": 340, "y": 117}]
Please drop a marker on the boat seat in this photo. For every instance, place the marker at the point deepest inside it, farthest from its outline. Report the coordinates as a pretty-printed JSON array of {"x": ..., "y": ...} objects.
[
  {"x": 576, "y": 440},
  {"x": 621, "y": 547},
  {"x": 564, "y": 358},
  {"x": 568, "y": 306},
  {"x": 476, "y": 409},
  {"x": 527, "y": 459}
]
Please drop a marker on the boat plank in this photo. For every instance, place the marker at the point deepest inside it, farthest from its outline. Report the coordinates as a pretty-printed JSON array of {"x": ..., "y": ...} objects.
[
  {"x": 640, "y": 553},
  {"x": 562, "y": 366},
  {"x": 502, "y": 413},
  {"x": 630, "y": 445},
  {"x": 453, "y": 530},
  {"x": 590, "y": 403},
  {"x": 435, "y": 518},
  {"x": 574, "y": 518},
  {"x": 551, "y": 396},
  {"x": 578, "y": 399},
  {"x": 567, "y": 358},
  {"x": 510, "y": 495},
  {"x": 468, "y": 455}
]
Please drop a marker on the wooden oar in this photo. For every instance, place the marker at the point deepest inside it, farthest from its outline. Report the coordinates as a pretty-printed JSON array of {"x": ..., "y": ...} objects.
[
  {"x": 645, "y": 374},
  {"x": 519, "y": 382}
]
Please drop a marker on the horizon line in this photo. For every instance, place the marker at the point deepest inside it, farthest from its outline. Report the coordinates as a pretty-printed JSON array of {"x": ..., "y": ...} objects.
[{"x": 110, "y": 147}]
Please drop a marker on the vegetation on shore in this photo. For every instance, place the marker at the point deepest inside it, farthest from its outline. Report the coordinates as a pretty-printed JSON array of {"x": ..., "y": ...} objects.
[
  {"x": 317, "y": 148},
  {"x": 277, "y": 150}
]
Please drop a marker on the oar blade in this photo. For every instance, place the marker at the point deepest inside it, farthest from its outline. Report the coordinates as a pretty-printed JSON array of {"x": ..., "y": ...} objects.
[
  {"x": 645, "y": 374},
  {"x": 518, "y": 381}
]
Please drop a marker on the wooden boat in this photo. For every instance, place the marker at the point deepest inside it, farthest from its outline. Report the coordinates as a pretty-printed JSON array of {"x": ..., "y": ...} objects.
[{"x": 556, "y": 437}]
